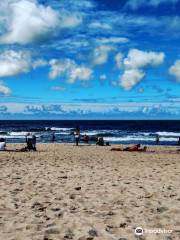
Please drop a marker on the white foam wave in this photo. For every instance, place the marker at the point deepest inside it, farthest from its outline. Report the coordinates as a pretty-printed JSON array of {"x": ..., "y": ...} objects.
[
  {"x": 138, "y": 138},
  {"x": 60, "y": 129},
  {"x": 168, "y": 134},
  {"x": 128, "y": 139},
  {"x": 18, "y": 133}
]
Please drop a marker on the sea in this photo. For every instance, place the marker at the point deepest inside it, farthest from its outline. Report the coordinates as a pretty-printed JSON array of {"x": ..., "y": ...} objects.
[{"x": 114, "y": 132}]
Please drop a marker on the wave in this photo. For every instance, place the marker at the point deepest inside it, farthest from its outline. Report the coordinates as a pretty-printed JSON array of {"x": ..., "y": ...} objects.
[
  {"x": 168, "y": 134},
  {"x": 127, "y": 139},
  {"x": 18, "y": 133},
  {"x": 138, "y": 138},
  {"x": 60, "y": 129}
]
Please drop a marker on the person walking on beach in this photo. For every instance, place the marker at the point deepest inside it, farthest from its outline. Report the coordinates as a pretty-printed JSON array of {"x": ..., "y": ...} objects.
[{"x": 77, "y": 135}]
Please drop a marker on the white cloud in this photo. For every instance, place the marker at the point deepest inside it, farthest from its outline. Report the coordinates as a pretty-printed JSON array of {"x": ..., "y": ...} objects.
[
  {"x": 135, "y": 4},
  {"x": 175, "y": 70},
  {"x": 101, "y": 54},
  {"x": 131, "y": 77},
  {"x": 69, "y": 20},
  {"x": 112, "y": 40},
  {"x": 70, "y": 70},
  {"x": 4, "y": 89},
  {"x": 13, "y": 63},
  {"x": 59, "y": 67},
  {"x": 134, "y": 64},
  {"x": 119, "y": 60},
  {"x": 82, "y": 73},
  {"x": 100, "y": 25},
  {"x": 139, "y": 59},
  {"x": 39, "y": 63},
  {"x": 28, "y": 21}
]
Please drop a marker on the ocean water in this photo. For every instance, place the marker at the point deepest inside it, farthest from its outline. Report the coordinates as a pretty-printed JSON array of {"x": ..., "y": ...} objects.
[{"x": 115, "y": 132}]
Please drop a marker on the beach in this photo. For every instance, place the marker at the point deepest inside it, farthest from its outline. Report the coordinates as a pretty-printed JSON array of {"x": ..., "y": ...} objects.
[{"x": 89, "y": 192}]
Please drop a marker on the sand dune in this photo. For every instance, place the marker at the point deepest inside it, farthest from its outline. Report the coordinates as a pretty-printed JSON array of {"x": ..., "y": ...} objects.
[{"x": 88, "y": 192}]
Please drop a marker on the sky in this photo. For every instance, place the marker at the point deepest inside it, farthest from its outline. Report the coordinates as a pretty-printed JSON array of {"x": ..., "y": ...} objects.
[{"x": 90, "y": 59}]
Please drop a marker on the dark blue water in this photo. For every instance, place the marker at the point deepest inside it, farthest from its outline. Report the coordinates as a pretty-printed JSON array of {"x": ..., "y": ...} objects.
[{"x": 126, "y": 132}]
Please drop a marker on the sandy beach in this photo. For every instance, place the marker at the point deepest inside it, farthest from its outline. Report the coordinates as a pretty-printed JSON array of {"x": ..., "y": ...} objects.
[{"x": 89, "y": 192}]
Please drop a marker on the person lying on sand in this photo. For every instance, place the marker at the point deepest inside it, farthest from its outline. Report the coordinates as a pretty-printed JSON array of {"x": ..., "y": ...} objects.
[{"x": 134, "y": 148}]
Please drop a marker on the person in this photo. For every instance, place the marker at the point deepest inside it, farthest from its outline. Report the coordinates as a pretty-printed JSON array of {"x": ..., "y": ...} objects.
[
  {"x": 100, "y": 141},
  {"x": 53, "y": 137},
  {"x": 2, "y": 144},
  {"x": 157, "y": 139},
  {"x": 86, "y": 138},
  {"x": 34, "y": 142},
  {"x": 134, "y": 148},
  {"x": 77, "y": 135},
  {"x": 31, "y": 142}
]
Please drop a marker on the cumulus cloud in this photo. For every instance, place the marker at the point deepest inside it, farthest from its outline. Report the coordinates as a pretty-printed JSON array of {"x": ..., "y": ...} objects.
[
  {"x": 174, "y": 70},
  {"x": 59, "y": 67},
  {"x": 28, "y": 21},
  {"x": 4, "y": 90},
  {"x": 101, "y": 54},
  {"x": 131, "y": 77},
  {"x": 135, "y": 4},
  {"x": 13, "y": 63},
  {"x": 79, "y": 73},
  {"x": 70, "y": 70},
  {"x": 139, "y": 59},
  {"x": 134, "y": 66}
]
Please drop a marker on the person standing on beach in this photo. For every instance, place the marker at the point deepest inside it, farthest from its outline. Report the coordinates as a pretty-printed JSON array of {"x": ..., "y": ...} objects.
[
  {"x": 77, "y": 136},
  {"x": 157, "y": 139},
  {"x": 34, "y": 142},
  {"x": 53, "y": 137},
  {"x": 179, "y": 141}
]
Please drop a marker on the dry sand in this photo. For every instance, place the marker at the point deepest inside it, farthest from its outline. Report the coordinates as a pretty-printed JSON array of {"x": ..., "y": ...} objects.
[{"x": 88, "y": 192}]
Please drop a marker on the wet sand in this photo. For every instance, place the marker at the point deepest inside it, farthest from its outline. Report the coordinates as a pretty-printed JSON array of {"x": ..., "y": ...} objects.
[{"x": 88, "y": 192}]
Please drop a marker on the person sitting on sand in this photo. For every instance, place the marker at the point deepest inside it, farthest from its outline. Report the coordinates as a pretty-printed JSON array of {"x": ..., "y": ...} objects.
[
  {"x": 2, "y": 144},
  {"x": 86, "y": 138},
  {"x": 134, "y": 148},
  {"x": 100, "y": 141},
  {"x": 31, "y": 142}
]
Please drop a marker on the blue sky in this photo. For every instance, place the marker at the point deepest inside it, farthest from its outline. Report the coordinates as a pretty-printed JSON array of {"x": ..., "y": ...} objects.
[{"x": 89, "y": 59}]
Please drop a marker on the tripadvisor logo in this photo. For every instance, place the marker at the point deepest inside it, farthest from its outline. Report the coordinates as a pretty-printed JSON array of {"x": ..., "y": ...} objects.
[{"x": 139, "y": 231}]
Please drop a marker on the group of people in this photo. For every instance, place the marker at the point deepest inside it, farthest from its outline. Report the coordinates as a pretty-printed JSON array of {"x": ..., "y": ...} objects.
[{"x": 30, "y": 143}]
